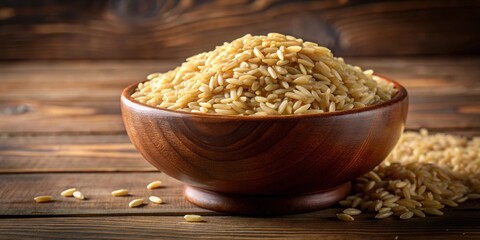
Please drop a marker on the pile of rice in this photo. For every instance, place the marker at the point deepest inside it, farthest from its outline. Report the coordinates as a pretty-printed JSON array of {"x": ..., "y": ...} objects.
[
  {"x": 264, "y": 75},
  {"x": 424, "y": 174}
]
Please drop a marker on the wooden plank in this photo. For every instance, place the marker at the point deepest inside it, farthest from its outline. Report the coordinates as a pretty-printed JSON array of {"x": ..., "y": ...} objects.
[
  {"x": 73, "y": 81},
  {"x": 44, "y": 117},
  {"x": 90, "y": 153},
  {"x": 318, "y": 225},
  {"x": 82, "y": 153},
  {"x": 82, "y": 96},
  {"x": 18, "y": 190},
  {"x": 431, "y": 110},
  {"x": 104, "y": 80},
  {"x": 172, "y": 29}
]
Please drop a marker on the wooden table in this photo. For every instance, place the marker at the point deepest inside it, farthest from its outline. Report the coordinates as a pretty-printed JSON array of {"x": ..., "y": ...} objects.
[{"x": 60, "y": 127}]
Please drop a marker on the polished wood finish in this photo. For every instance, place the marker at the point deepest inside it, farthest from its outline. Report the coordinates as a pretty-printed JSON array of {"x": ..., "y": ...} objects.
[
  {"x": 172, "y": 29},
  {"x": 461, "y": 225},
  {"x": 97, "y": 189},
  {"x": 444, "y": 96},
  {"x": 265, "y": 205},
  {"x": 253, "y": 156},
  {"x": 85, "y": 153}
]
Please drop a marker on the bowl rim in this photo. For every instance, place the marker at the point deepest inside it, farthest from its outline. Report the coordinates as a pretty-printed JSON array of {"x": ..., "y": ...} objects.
[{"x": 399, "y": 96}]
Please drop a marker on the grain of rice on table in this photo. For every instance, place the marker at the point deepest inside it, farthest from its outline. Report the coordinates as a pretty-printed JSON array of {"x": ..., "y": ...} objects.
[
  {"x": 424, "y": 174},
  {"x": 264, "y": 75}
]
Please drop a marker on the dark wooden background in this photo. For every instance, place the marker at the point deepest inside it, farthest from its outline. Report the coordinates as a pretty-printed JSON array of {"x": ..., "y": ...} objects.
[
  {"x": 175, "y": 29},
  {"x": 60, "y": 122}
]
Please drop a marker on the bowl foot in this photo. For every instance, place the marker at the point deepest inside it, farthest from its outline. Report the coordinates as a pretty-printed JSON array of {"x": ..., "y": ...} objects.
[{"x": 265, "y": 205}]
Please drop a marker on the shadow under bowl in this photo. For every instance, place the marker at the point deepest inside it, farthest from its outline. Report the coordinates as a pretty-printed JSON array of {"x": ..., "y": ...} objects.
[{"x": 265, "y": 165}]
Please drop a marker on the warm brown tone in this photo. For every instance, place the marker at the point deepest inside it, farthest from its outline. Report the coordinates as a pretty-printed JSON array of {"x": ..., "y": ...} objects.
[
  {"x": 125, "y": 29},
  {"x": 84, "y": 98},
  {"x": 284, "y": 156},
  {"x": 71, "y": 135}
]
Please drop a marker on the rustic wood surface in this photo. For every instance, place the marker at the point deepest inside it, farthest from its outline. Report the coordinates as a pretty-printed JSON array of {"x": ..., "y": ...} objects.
[
  {"x": 125, "y": 29},
  {"x": 60, "y": 127},
  {"x": 83, "y": 97}
]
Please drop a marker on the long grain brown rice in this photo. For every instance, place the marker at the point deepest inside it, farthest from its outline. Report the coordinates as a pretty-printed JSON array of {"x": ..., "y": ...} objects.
[
  {"x": 345, "y": 217},
  {"x": 155, "y": 199},
  {"x": 264, "y": 75},
  {"x": 154, "y": 184},
  {"x": 352, "y": 211},
  {"x": 43, "y": 199},
  {"x": 424, "y": 174},
  {"x": 136, "y": 203},
  {"x": 193, "y": 218},
  {"x": 68, "y": 193},
  {"x": 78, "y": 195},
  {"x": 120, "y": 193}
]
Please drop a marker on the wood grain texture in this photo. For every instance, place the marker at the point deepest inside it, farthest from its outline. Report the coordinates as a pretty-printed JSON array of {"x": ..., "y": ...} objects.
[
  {"x": 90, "y": 153},
  {"x": 82, "y": 96},
  {"x": 454, "y": 110},
  {"x": 124, "y": 29},
  {"x": 18, "y": 190},
  {"x": 73, "y": 80},
  {"x": 104, "y": 80},
  {"x": 446, "y": 85},
  {"x": 66, "y": 153},
  {"x": 455, "y": 224},
  {"x": 72, "y": 117},
  {"x": 102, "y": 215}
]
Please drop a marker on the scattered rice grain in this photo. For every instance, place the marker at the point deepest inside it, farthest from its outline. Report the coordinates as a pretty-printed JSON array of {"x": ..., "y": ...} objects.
[
  {"x": 345, "y": 217},
  {"x": 78, "y": 195},
  {"x": 69, "y": 192},
  {"x": 120, "y": 192},
  {"x": 193, "y": 218},
  {"x": 136, "y": 203},
  {"x": 43, "y": 199},
  {"x": 155, "y": 199},
  {"x": 155, "y": 184}
]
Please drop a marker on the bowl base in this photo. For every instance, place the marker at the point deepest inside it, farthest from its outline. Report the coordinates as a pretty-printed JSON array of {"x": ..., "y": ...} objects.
[{"x": 265, "y": 205}]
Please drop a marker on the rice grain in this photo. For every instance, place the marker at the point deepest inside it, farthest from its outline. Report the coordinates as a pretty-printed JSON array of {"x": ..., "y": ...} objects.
[
  {"x": 136, "y": 203},
  {"x": 78, "y": 195},
  {"x": 345, "y": 217},
  {"x": 120, "y": 193},
  {"x": 352, "y": 211},
  {"x": 43, "y": 199},
  {"x": 68, "y": 193},
  {"x": 193, "y": 218},
  {"x": 155, "y": 199},
  {"x": 406, "y": 215},
  {"x": 155, "y": 184}
]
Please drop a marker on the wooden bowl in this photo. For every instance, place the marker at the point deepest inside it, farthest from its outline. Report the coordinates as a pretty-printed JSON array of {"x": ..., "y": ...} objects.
[{"x": 265, "y": 165}]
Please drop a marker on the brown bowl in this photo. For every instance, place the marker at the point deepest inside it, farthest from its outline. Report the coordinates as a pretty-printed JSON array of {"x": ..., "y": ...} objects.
[{"x": 265, "y": 165}]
